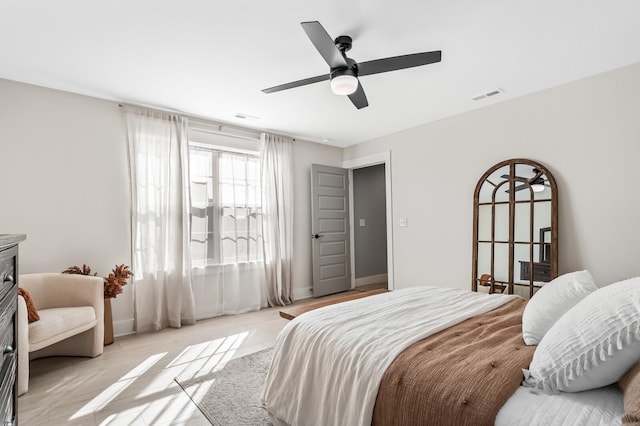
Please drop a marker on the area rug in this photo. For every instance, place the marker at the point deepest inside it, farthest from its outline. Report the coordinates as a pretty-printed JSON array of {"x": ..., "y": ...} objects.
[{"x": 231, "y": 396}]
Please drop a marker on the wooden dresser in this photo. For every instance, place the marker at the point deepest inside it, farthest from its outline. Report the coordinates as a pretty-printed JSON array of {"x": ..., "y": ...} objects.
[
  {"x": 541, "y": 271},
  {"x": 9, "y": 327}
]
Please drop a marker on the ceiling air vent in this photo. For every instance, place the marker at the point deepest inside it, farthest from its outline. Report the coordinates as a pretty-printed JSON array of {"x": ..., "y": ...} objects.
[
  {"x": 488, "y": 94},
  {"x": 242, "y": 116}
]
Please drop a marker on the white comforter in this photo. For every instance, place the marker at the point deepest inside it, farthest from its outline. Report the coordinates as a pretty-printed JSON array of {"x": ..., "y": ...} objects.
[{"x": 329, "y": 362}]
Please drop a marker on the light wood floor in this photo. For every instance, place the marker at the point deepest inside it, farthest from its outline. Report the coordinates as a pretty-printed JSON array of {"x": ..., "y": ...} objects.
[{"x": 131, "y": 383}]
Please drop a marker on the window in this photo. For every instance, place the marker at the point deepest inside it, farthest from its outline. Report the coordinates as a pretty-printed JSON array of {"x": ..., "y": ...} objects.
[{"x": 225, "y": 206}]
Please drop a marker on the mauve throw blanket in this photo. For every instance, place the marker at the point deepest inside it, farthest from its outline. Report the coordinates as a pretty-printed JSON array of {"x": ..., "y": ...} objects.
[{"x": 460, "y": 376}]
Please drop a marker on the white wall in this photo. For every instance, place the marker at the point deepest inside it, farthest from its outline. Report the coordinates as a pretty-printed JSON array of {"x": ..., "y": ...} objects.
[
  {"x": 586, "y": 132},
  {"x": 64, "y": 181}
]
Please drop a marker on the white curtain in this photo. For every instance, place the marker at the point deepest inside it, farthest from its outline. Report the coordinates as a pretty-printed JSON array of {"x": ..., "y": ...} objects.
[
  {"x": 228, "y": 273},
  {"x": 277, "y": 217},
  {"x": 159, "y": 171},
  {"x": 232, "y": 288}
]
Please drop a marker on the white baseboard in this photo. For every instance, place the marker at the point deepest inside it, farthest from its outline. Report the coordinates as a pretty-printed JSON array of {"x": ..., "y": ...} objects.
[
  {"x": 302, "y": 293},
  {"x": 122, "y": 328},
  {"x": 372, "y": 279}
]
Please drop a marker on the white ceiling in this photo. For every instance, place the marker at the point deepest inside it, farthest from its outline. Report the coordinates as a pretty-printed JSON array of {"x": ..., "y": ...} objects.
[{"x": 212, "y": 58}]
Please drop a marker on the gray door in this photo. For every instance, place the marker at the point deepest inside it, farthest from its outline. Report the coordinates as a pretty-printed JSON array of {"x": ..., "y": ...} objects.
[{"x": 330, "y": 229}]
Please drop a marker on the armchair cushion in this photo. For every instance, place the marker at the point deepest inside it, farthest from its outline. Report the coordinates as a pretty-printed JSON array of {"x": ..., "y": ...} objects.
[
  {"x": 59, "y": 323},
  {"x": 32, "y": 312}
]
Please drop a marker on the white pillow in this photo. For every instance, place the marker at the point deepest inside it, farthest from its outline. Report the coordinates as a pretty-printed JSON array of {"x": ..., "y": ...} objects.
[
  {"x": 551, "y": 301},
  {"x": 593, "y": 344}
]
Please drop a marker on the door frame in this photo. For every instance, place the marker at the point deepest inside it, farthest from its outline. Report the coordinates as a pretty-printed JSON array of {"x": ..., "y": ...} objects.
[{"x": 358, "y": 163}]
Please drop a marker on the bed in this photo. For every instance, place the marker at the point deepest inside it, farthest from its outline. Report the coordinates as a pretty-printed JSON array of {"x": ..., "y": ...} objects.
[{"x": 430, "y": 355}]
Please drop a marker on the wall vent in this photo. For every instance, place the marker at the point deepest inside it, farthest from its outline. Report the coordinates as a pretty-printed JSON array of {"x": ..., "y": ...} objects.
[
  {"x": 488, "y": 94},
  {"x": 242, "y": 116}
]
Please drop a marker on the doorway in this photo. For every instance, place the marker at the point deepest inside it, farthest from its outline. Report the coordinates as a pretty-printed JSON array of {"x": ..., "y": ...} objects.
[
  {"x": 382, "y": 159},
  {"x": 369, "y": 227},
  {"x": 333, "y": 223}
]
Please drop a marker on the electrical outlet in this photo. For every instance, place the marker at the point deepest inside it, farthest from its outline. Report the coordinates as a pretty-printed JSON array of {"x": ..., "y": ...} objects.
[
  {"x": 404, "y": 222},
  {"x": 361, "y": 222}
]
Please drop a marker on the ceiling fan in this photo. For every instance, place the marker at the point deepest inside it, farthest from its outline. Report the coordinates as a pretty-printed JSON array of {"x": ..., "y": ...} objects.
[
  {"x": 344, "y": 71},
  {"x": 537, "y": 182}
]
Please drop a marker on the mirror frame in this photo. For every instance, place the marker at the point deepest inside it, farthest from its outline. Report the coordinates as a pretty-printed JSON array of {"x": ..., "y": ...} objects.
[{"x": 542, "y": 247}]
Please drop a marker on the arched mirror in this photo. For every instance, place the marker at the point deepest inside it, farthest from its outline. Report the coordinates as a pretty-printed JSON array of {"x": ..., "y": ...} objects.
[{"x": 515, "y": 228}]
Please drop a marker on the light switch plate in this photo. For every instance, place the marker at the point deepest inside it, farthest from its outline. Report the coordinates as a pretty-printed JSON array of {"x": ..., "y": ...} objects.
[
  {"x": 404, "y": 222},
  {"x": 361, "y": 222}
]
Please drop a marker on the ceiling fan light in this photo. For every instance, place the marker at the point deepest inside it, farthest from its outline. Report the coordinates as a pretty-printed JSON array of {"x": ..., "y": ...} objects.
[
  {"x": 344, "y": 84},
  {"x": 537, "y": 187}
]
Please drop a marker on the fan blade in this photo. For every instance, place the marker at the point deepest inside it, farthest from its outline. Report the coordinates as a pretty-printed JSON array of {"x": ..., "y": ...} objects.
[
  {"x": 324, "y": 43},
  {"x": 519, "y": 187},
  {"x": 539, "y": 181},
  {"x": 358, "y": 98},
  {"x": 398, "y": 62},
  {"x": 297, "y": 83},
  {"x": 515, "y": 177}
]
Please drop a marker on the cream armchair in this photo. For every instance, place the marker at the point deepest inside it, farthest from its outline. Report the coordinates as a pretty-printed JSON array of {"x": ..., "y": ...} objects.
[{"x": 71, "y": 309}]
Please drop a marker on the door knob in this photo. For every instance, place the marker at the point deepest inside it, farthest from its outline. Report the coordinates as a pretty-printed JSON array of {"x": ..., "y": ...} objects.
[{"x": 316, "y": 236}]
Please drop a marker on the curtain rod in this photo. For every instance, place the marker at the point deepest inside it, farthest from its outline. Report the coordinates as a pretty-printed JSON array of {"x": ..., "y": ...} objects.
[{"x": 203, "y": 120}]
